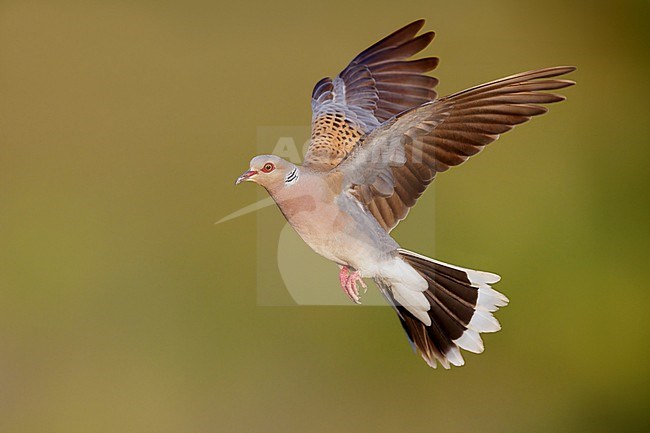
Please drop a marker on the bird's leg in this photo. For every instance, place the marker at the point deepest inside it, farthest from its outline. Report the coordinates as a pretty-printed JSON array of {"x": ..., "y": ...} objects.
[
  {"x": 349, "y": 283},
  {"x": 357, "y": 277},
  {"x": 344, "y": 278},
  {"x": 343, "y": 275},
  {"x": 352, "y": 283}
]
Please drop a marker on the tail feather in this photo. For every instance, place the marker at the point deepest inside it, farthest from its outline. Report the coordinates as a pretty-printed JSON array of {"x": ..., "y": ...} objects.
[{"x": 461, "y": 306}]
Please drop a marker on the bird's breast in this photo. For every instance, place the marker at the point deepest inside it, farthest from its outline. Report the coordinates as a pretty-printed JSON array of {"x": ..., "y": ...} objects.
[{"x": 335, "y": 226}]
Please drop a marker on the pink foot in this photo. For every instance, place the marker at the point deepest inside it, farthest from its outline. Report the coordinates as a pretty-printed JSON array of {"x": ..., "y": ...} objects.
[
  {"x": 343, "y": 275},
  {"x": 349, "y": 283}
]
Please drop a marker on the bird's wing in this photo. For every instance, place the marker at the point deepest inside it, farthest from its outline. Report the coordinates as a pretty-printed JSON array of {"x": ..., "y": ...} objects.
[
  {"x": 378, "y": 84},
  {"x": 392, "y": 167}
]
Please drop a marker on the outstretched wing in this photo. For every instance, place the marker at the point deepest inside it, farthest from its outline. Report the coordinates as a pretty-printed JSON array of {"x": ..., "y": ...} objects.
[
  {"x": 397, "y": 161},
  {"x": 378, "y": 84}
]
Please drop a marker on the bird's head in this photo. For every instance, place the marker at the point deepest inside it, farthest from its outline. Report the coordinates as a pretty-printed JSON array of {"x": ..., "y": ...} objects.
[{"x": 270, "y": 171}]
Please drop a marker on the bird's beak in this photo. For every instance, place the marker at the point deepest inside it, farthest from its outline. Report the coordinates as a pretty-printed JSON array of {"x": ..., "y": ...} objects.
[{"x": 245, "y": 176}]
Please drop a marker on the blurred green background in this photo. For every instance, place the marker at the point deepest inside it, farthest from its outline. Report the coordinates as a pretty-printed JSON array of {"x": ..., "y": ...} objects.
[{"x": 123, "y": 308}]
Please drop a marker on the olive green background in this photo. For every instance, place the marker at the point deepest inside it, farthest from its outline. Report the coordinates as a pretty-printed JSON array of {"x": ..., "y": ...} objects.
[{"x": 123, "y": 308}]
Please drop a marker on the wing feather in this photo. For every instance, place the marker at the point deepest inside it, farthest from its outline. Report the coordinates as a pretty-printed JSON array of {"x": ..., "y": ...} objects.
[
  {"x": 433, "y": 137},
  {"x": 378, "y": 84}
]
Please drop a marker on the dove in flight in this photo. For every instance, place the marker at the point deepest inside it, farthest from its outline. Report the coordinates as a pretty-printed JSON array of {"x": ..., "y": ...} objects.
[{"x": 379, "y": 136}]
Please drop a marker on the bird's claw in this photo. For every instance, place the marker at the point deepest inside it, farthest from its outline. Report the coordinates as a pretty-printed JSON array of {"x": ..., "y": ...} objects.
[{"x": 349, "y": 284}]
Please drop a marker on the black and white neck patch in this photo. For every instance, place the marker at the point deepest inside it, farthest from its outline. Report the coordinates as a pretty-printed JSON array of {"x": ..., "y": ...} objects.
[{"x": 292, "y": 177}]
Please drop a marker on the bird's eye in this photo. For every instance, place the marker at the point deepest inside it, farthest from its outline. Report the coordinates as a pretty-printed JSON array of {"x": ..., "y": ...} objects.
[{"x": 268, "y": 167}]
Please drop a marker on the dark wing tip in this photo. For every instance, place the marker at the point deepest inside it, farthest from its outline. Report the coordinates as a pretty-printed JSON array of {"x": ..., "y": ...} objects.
[
  {"x": 559, "y": 70},
  {"x": 398, "y": 37},
  {"x": 428, "y": 36},
  {"x": 555, "y": 97},
  {"x": 417, "y": 24},
  {"x": 431, "y": 63},
  {"x": 324, "y": 85},
  {"x": 561, "y": 84},
  {"x": 411, "y": 28},
  {"x": 562, "y": 70}
]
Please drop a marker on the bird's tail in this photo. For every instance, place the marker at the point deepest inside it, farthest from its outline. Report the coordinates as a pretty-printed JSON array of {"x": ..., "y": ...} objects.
[{"x": 462, "y": 302}]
